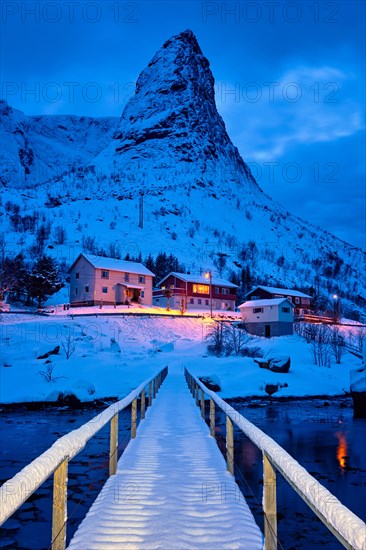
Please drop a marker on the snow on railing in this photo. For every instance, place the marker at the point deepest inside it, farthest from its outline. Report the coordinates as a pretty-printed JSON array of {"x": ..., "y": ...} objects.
[
  {"x": 14, "y": 492},
  {"x": 349, "y": 529}
]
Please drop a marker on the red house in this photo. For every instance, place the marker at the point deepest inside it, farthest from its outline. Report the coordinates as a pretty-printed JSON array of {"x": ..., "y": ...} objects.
[
  {"x": 300, "y": 300},
  {"x": 194, "y": 292}
]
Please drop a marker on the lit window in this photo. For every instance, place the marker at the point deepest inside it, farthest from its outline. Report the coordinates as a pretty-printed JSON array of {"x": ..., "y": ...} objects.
[
  {"x": 105, "y": 274},
  {"x": 257, "y": 310},
  {"x": 105, "y": 290},
  {"x": 141, "y": 278},
  {"x": 86, "y": 288},
  {"x": 201, "y": 289}
]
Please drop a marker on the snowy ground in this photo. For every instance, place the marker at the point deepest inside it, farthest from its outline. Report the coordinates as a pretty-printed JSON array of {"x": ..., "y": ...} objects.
[{"x": 109, "y": 356}]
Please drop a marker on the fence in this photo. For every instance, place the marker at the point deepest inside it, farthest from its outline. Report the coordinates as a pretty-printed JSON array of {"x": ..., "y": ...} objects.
[
  {"x": 55, "y": 460},
  {"x": 349, "y": 529}
]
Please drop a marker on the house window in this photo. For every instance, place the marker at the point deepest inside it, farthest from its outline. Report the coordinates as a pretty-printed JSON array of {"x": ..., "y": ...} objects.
[
  {"x": 86, "y": 288},
  {"x": 217, "y": 290},
  {"x": 257, "y": 310},
  {"x": 297, "y": 300},
  {"x": 76, "y": 290},
  {"x": 201, "y": 289},
  {"x": 105, "y": 290},
  {"x": 279, "y": 296},
  {"x": 127, "y": 277},
  {"x": 286, "y": 310},
  {"x": 206, "y": 302},
  {"x": 255, "y": 298},
  {"x": 191, "y": 300},
  {"x": 141, "y": 278},
  {"x": 142, "y": 294},
  {"x": 225, "y": 290},
  {"x": 105, "y": 274},
  {"x": 199, "y": 301},
  {"x": 77, "y": 275}
]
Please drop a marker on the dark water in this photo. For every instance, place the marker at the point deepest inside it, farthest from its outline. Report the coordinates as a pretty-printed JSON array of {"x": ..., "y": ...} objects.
[{"x": 324, "y": 439}]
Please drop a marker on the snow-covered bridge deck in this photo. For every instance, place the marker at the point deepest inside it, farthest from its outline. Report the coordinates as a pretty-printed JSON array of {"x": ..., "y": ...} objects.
[{"x": 172, "y": 489}]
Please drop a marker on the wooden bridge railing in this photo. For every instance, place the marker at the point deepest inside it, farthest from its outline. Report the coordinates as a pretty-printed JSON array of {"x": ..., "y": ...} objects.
[
  {"x": 14, "y": 492},
  {"x": 348, "y": 528}
]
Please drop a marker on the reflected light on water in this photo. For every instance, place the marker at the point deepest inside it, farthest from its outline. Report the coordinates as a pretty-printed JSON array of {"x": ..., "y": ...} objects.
[{"x": 341, "y": 449}]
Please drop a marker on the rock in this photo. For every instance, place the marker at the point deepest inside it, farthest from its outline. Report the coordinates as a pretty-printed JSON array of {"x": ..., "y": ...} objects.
[
  {"x": 273, "y": 388},
  {"x": 212, "y": 382},
  {"x": 281, "y": 363},
  {"x": 69, "y": 399},
  {"x": 359, "y": 404},
  {"x": 54, "y": 351}
]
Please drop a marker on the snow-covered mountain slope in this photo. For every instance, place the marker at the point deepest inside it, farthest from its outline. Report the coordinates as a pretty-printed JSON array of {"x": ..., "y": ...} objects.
[
  {"x": 200, "y": 201},
  {"x": 36, "y": 148}
]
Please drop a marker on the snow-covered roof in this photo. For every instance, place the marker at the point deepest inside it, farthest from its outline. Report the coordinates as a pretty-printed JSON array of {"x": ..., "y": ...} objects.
[
  {"x": 274, "y": 290},
  {"x": 264, "y": 303},
  {"x": 112, "y": 264},
  {"x": 200, "y": 279}
]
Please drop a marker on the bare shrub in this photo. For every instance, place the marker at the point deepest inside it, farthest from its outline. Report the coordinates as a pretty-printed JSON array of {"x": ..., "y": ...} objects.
[
  {"x": 68, "y": 344},
  {"x": 337, "y": 344},
  {"x": 216, "y": 339},
  {"x": 59, "y": 234},
  {"x": 321, "y": 346},
  {"x": 47, "y": 374}
]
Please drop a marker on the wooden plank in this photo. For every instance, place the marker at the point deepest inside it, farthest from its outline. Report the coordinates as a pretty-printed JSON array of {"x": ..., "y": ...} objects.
[
  {"x": 229, "y": 445},
  {"x": 202, "y": 404},
  {"x": 212, "y": 417},
  {"x": 133, "y": 418},
  {"x": 269, "y": 504},
  {"x": 113, "y": 445},
  {"x": 59, "y": 507},
  {"x": 143, "y": 404}
]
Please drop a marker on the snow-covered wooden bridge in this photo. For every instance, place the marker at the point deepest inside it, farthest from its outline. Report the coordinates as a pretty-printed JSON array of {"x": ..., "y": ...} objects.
[{"x": 172, "y": 488}]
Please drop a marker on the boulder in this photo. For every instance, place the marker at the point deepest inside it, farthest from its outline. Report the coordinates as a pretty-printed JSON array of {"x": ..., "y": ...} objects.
[
  {"x": 211, "y": 382},
  {"x": 280, "y": 363},
  {"x": 54, "y": 351},
  {"x": 358, "y": 391}
]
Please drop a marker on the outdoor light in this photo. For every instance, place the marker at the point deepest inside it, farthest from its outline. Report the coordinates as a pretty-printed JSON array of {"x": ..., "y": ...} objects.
[{"x": 208, "y": 275}]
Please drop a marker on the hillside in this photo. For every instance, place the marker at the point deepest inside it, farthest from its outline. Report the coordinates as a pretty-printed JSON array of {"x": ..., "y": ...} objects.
[{"x": 200, "y": 200}]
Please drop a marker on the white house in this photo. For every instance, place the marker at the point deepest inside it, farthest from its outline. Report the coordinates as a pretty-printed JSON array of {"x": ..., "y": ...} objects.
[
  {"x": 273, "y": 317},
  {"x": 96, "y": 279}
]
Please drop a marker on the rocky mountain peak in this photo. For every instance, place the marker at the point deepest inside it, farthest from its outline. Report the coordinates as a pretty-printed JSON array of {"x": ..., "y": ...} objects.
[{"x": 170, "y": 130}]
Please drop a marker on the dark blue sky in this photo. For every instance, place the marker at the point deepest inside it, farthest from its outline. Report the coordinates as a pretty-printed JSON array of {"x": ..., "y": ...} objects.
[{"x": 289, "y": 83}]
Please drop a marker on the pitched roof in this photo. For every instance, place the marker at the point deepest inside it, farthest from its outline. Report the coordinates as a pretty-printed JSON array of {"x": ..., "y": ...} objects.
[
  {"x": 112, "y": 264},
  {"x": 286, "y": 291},
  {"x": 264, "y": 303},
  {"x": 200, "y": 279}
]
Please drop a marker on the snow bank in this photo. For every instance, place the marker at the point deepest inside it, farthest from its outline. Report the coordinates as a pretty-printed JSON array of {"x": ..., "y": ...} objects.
[
  {"x": 345, "y": 522},
  {"x": 18, "y": 489}
]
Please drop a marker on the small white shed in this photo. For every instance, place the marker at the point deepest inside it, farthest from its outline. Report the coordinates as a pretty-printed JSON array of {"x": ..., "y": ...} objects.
[{"x": 273, "y": 317}]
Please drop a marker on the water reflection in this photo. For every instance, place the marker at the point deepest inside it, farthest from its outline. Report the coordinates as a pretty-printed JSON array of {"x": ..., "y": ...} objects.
[{"x": 342, "y": 450}]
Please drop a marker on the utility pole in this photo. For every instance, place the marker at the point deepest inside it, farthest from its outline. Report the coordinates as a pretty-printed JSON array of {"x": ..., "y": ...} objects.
[
  {"x": 141, "y": 210},
  {"x": 208, "y": 275}
]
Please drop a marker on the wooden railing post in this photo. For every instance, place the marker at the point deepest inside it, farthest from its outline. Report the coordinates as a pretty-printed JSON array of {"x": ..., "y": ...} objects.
[
  {"x": 229, "y": 446},
  {"x": 59, "y": 508},
  {"x": 155, "y": 388},
  {"x": 269, "y": 504},
  {"x": 151, "y": 397},
  {"x": 196, "y": 393},
  {"x": 202, "y": 404},
  {"x": 212, "y": 417},
  {"x": 113, "y": 445},
  {"x": 133, "y": 418},
  {"x": 143, "y": 405}
]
